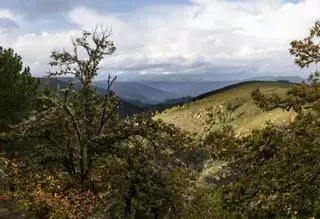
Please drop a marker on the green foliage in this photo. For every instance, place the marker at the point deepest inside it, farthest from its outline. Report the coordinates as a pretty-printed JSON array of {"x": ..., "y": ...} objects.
[
  {"x": 84, "y": 161},
  {"x": 68, "y": 124},
  {"x": 95, "y": 45},
  {"x": 148, "y": 178},
  {"x": 18, "y": 88},
  {"x": 302, "y": 96},
  {"x": 281, "y": 172},
  {"x": 276, "y": 172},
  {"x": 120, "y": 168},
  {"x": 307, "y": 51},
  {"x": 223, "y": 114},
  {"x": 207, "y": 204},
  {"x": 222, "y": 143}
]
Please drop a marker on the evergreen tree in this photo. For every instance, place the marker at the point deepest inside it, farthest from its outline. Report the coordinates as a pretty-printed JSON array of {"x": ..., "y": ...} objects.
[
  {"x": 17, "y": 88},
  {"x": 86, "y": 158}
]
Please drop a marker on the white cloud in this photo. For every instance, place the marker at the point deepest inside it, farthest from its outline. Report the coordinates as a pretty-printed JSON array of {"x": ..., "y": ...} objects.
[
  {"x": 8, "y": 24},
  {"x": 207, "y": 35},
  {"x": 5, "y": 13},
  {"x": 35, "y": 48}
]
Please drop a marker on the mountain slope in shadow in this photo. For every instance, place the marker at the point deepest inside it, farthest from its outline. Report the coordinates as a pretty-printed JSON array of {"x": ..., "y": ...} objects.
[
  {"x": 125, "y": 109},
  {"x": 138, "y": 91}
]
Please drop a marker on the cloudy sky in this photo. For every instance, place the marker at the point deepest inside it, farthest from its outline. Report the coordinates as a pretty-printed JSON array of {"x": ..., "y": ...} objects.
[{"x": 215, "y": 37}]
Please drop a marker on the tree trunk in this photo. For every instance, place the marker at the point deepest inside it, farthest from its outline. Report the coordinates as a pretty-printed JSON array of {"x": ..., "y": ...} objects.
[
  {"x": 83, "y": 162},
  {"x": 128, "y": 208}
]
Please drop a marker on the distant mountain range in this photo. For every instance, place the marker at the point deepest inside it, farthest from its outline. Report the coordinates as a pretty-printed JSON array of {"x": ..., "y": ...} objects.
[
  {"x": 293, "y": 79},
  {"x": 187, "y": 88},
  {"x": 142, "y": 95},
  {"x": 216, "y": 76},
  {"x": 141, "y": 92},
  {"x": 193, "y": 88},
  {"x": 125, "y": 108}
]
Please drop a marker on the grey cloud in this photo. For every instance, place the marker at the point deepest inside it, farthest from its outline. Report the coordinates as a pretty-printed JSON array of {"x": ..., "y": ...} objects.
[
  {"x": 38, "y": 8},
  {"x": 34, "y": 9},
  {"x": 175, "y": 64},
  {"x": 215, "y": 44},
  {"x": 7, "y": 25},
  {"x": 195, "y": 67}
]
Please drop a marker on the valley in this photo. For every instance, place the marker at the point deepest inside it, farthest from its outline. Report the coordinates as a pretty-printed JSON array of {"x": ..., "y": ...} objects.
[
  {"x": 202, "y": 122},
  {"x": 190, "y": 113},
  {"x": 156, "y": 96}
]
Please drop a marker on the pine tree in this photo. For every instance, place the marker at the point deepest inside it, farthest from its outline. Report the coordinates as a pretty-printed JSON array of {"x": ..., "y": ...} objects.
[{"x": 17, "y": 88}]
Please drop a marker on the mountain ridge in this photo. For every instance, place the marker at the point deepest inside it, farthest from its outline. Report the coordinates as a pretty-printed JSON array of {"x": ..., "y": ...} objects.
[{"x": 125, "y": 109}]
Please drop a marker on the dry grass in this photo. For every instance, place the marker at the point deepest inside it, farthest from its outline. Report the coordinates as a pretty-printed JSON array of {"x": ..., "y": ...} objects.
[{"x": 192, "y": 116}]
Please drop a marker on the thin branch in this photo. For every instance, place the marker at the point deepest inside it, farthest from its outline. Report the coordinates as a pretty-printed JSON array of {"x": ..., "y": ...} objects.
[
  {"x": 74, "y": 123},
  {"x": 106, "y": 99}
]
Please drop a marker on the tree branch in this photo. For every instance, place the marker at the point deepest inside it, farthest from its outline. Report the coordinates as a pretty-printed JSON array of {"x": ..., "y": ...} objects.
[{"x": 106, "y": 98}]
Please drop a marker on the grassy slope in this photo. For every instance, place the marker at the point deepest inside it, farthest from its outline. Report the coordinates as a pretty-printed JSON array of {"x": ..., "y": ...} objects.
[{"x": 191, "y": 116}]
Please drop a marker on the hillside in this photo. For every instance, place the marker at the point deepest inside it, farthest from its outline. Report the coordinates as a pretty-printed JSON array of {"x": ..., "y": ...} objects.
[
  {"x": 125, "y": 108},
  {"x": 138, "y": 91},
  {"x": 187, "y": 88},
  {"x": 191, "y": 116},
  {"x": 147, "y": 93}
]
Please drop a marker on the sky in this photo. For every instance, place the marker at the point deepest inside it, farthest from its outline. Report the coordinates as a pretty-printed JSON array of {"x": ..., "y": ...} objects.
[{"x": 220, "y": 38}]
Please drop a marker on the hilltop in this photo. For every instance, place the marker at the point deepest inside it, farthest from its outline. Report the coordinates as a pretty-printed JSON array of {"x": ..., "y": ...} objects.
[{"x": 191, "y": 116}]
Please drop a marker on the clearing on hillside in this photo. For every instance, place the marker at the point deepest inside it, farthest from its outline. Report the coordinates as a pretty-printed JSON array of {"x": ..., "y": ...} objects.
[{"x": 192, "y": 116}]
